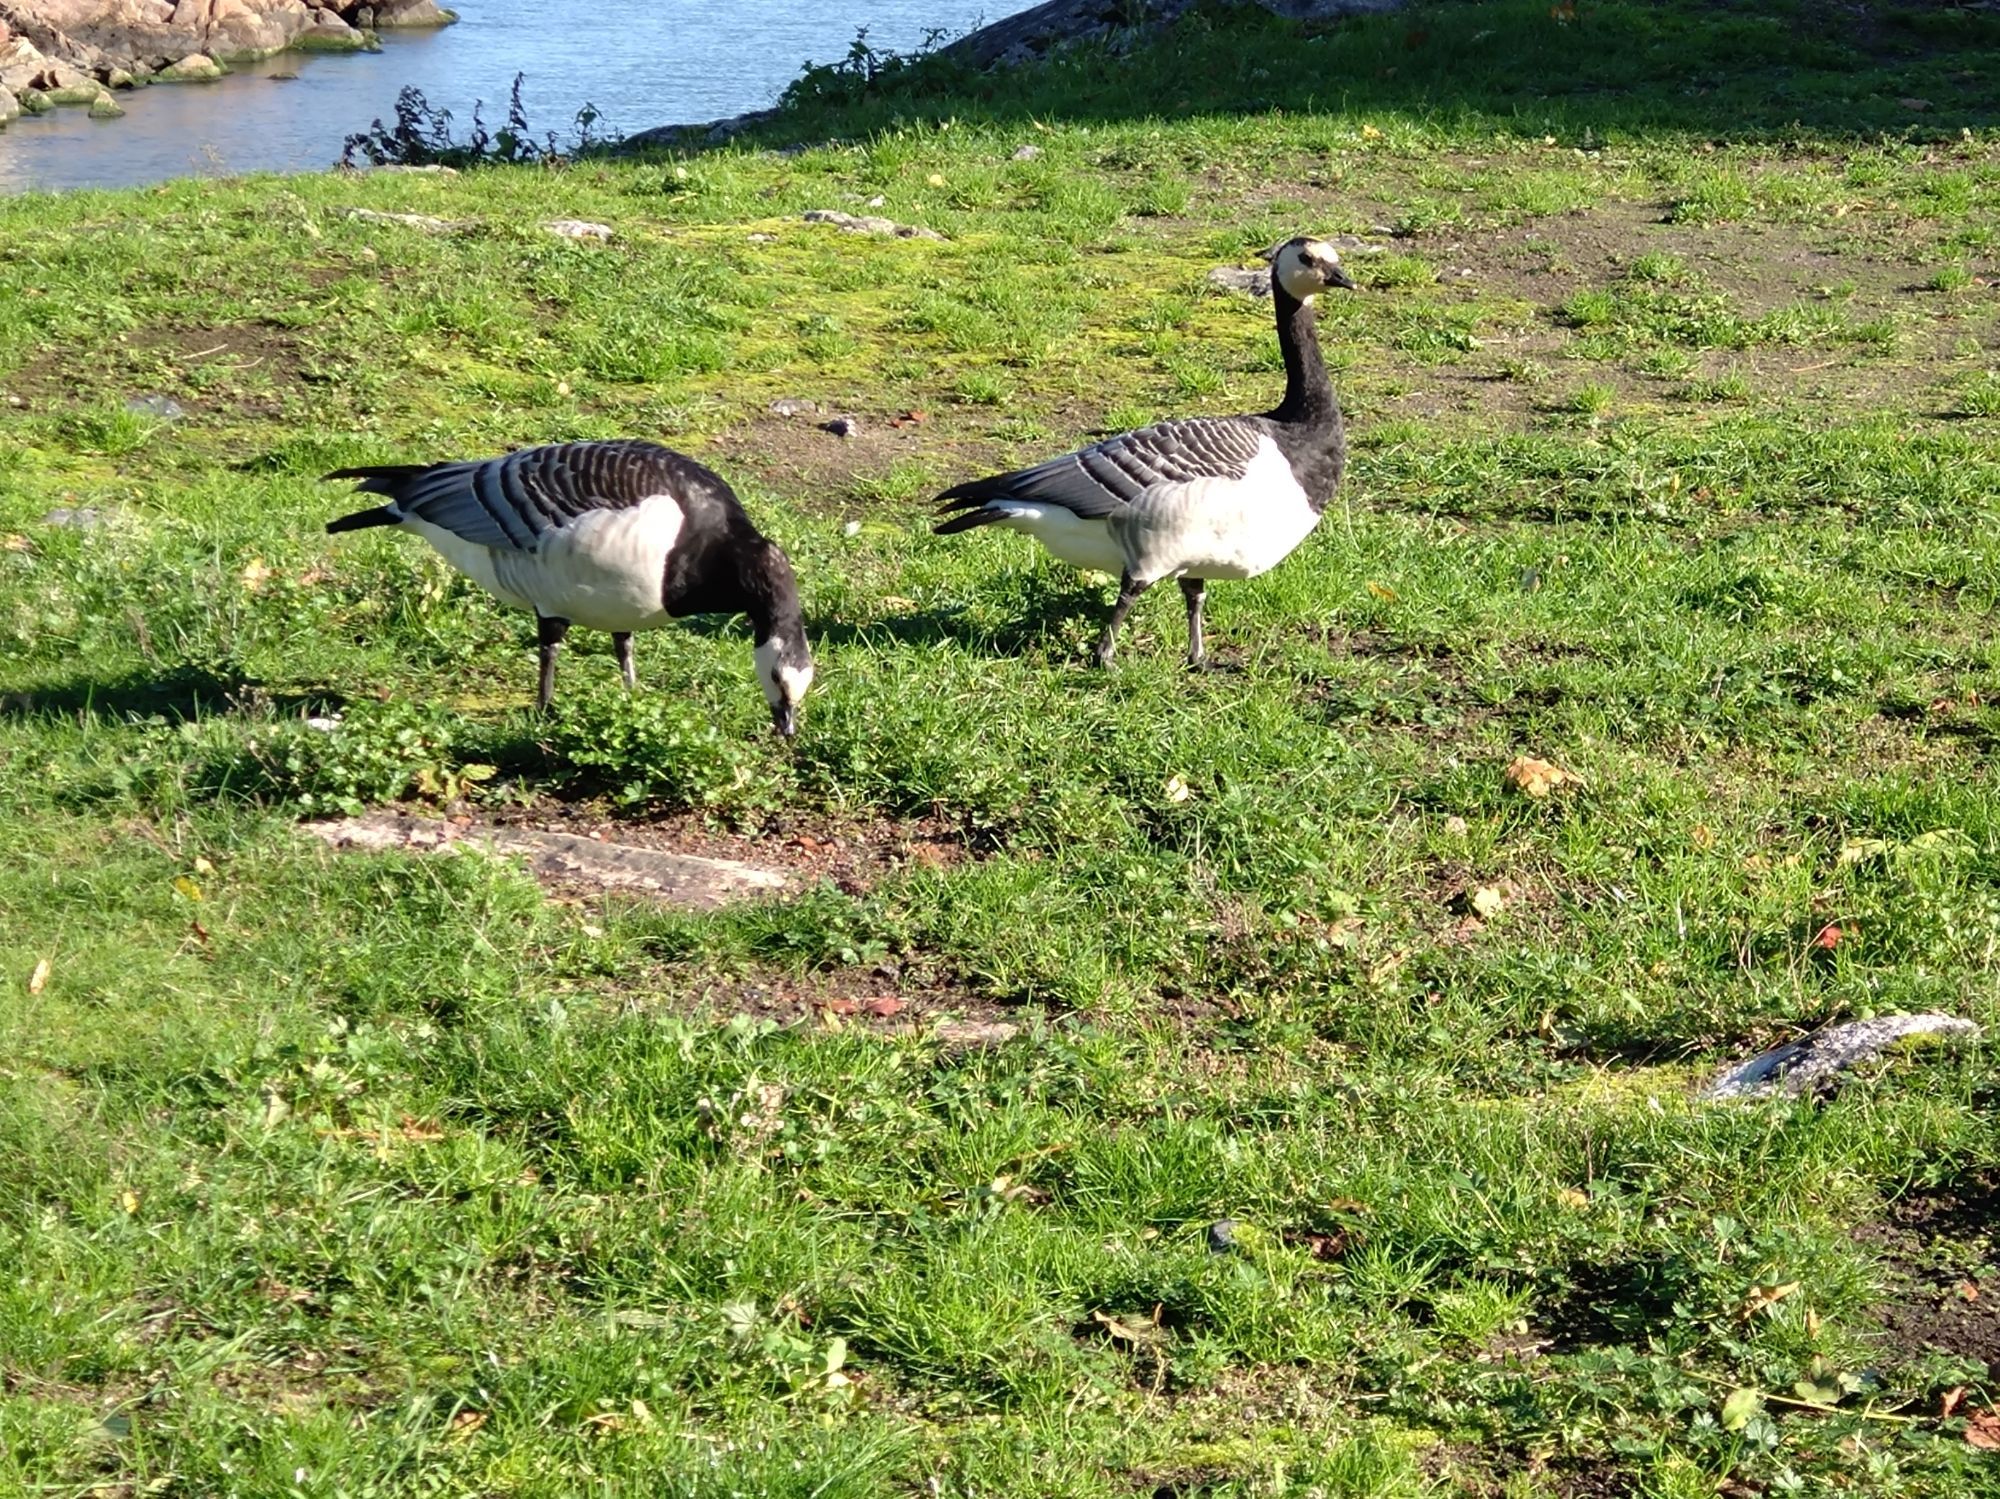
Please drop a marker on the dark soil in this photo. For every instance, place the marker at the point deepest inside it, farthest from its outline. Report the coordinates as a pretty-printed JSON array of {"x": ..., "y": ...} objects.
[{"x": 1940, "y": 1254}]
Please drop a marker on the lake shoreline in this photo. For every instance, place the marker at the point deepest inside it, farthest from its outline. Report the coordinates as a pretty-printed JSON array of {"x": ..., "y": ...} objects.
[{"x": 81, "y": 53}]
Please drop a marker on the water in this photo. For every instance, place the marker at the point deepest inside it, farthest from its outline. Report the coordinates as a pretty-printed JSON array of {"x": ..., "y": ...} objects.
[{"x": 640, "y": 62}]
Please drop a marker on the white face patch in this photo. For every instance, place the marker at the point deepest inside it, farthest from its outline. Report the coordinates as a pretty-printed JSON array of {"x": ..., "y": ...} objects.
[
  {"x": 1302, "y": 278},
  {"x": 781, "y": 684}
]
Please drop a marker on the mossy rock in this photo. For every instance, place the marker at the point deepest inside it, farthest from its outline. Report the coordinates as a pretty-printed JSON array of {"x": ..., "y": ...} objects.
[
  {"x": 195, "y": 68},
  {"x": 104, "y": 107},
  {"x": 35, "y": 102}
]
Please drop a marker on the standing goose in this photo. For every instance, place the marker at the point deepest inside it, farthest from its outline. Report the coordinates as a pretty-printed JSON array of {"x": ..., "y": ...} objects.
[
  {"x": 1211, "y": 497},
  {"x": 617, "y": 536}
]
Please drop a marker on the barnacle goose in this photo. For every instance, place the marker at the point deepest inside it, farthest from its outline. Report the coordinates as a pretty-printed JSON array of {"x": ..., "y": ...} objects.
[
  {"x": 1210, "y": 497},
  {"x": 617, "y": 536}
]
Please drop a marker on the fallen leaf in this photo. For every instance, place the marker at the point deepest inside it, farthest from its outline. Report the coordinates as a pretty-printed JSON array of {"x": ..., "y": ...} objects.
[
  {"x": 39, "y": 979},
  {"x": 255, "y": 574},
  {"x": 841, "y": 1006},
  {"x": 1320, "y": 1246},
  {"x": 129, "y": 1200},
  {"x": 15, "y": 542},
  {"x": 1457, "y": 826},
  {"x": 1128, "y": 1329},
  {"x": 1702, "y": 836},
  {"x": 1177, "y": 789},
  {"x": 1536, "y": 779},
  {"x": 187, "y": 887},
  {"x": 1739, "y": 1408},
  {"x": 1487, "y": 901},
  {"x": 1968, "y": 1290},
  {"x": 275, "y": 1109},
  {"x": 1570, "y": 1197},
  {"x": 897, "y": 601},
  {"x": 1383, "y": 592},
  {"x": 884, "y": 1007},
  {"x": 1855, "y": 850},
  {"x": 1763, "y": 1298},
  {"x": 1948, "y": 1402},
  {"x": 1982, "y": 1430},
  {"x": 910, "y": 419},
  {"x": 202, "y": 866},
  {"x": 1370, "y": 133},
  {"x": 465, "y": 1423},
  {"x": 936, "y": 179}
]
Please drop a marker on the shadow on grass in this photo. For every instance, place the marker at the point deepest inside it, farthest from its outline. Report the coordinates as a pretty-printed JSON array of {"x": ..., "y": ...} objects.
[
  {"x": 1039, "y": 615},
  {"x": 1723, "y": 70},
  {"x": 173, "y": 696}
]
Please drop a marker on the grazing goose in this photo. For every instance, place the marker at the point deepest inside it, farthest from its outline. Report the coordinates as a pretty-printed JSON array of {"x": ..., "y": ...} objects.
[
  {"x": 617, "y": 536},
  {"x": 1210, "y": 497}
]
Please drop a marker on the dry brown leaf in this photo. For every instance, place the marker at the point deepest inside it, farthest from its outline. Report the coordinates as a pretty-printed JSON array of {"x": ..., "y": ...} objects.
[
  {"x": 1537, "y": 779},
  {"x": 1763, "y": 1298},
  {"x": 256, "y": 573},
  {"x": 39, "y": 979},
  {"x": 1383, "y": 592},
  {"x": 1571, "y": 1197},
  {"x": 1982, "y": 1430}
]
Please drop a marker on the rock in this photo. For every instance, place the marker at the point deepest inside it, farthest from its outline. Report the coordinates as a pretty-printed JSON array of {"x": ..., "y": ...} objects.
[
  {"x": 162, "y": 408},
  {"x": 429, "y": 169},
  {"x": 84, "y": 518},
  {"x": 578, "y": 229},
  {"x": 34, "y": 102},
  {"x": 412, "y": 13},
  {"x": 21, "y": 62},
  {"x": 196, "y": 67},
  {"x": 422, "y": 221},
  {"x": 1026, "y": 153},
  {"x": 1251, "y": 283},
  {"x": 1810, "y": 1065},
  {"x": 364, "y": 17},
  {"x": 328, "y": 33},
  {"x": 961, "y": 1036},
  {"x": 762, "y": 239},
  {"x": 793, "y": 406},
  {"x": 709, "y": 132},
  {"x": 560, "y": 858},
  {"x": 841, "y": 426},
  {"x": 104, "y": 107},
  {"x": 868, "y": 224},
  {"x": 119, "y": 78},
  {"x": 1062, "y": 23},
  {"x": 10, "y": 107},
  {"x": 1222, "y": 1236}
]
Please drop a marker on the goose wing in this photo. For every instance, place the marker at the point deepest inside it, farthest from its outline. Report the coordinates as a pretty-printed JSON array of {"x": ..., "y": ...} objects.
[
  {"x": 1119, "y": 472},
  {"x": 516, "y": 501}
]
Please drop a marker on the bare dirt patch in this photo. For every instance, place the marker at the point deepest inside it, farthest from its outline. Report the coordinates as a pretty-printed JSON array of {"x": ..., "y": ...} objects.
[
  {"x": 677, "y": 860},
  {"x": 1940, "y": 1254}
]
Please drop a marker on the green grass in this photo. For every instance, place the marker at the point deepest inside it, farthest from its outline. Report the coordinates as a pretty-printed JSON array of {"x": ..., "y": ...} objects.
[{"x": 388, "y": 1175}]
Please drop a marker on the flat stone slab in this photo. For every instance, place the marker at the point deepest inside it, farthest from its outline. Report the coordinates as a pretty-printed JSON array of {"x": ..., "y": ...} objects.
[
  {"x": 868, "y": 223},
  {"x": 1810, "y": 1064},
  {"x": 561, "y": 858}
]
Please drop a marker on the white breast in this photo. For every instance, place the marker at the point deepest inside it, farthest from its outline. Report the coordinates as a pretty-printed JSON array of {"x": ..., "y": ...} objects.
[
  {"x": 605, "y": 570},
  {"x": 1218, "y": 528}
]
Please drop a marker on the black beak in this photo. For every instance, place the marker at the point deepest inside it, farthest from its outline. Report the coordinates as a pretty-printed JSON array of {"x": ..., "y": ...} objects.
[
  {"x": 785, "y": 719},
  {"x": 1340, "y": 278}
]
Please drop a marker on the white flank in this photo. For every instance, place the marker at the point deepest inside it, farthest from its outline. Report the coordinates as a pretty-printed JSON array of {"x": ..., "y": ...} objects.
[
  {"x": 1217, "y": 528},
  {"x": 1087, "y": 544},
  {"x": 605, "y": 570}
]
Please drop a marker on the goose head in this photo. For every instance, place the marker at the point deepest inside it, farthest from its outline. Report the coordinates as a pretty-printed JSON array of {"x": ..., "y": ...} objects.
[
  {"x": 784, "y": 660},
  {"x": 785, "y": 672},
  {"x": 1305, "y": 267}
]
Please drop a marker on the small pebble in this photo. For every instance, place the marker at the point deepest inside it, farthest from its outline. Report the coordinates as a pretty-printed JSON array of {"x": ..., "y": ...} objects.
[
  {"x": 852, "y": 528},
  {"x": 793, "y": 406},
  {"x": 1222, "y": 1236},
  {"x": 165, "y": 408},
  {"x": 1027, "y": 153}
]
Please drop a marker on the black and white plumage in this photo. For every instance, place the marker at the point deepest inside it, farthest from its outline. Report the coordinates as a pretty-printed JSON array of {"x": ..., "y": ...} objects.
[
  {"x": 617, "y": 536},
  {"x": 1209, "y": 497}
]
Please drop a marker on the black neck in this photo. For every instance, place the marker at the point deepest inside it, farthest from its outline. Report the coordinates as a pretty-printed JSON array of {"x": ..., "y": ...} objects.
[
  {"x": 1309, "y": 398},
  {"x": 770, "y": 597}
]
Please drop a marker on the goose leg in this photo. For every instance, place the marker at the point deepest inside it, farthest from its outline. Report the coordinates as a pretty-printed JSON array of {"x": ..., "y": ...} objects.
[
  {"x": 1194, "y": 590},
  {"x": 551, "y": 632},
  {"x": 622, "y": 640},
  {"x": 1129, "y": 589}
]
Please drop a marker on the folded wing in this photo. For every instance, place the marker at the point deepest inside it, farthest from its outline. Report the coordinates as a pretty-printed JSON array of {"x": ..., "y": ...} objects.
[
  {"x": 1106, "y": 478},
  {"x": 516, "y": 501}
]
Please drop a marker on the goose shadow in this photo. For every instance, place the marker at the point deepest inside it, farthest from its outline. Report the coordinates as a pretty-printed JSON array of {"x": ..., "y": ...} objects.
[
  {"x": 177, "y": 695},
  {"x": 1039, "y": 616}
]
